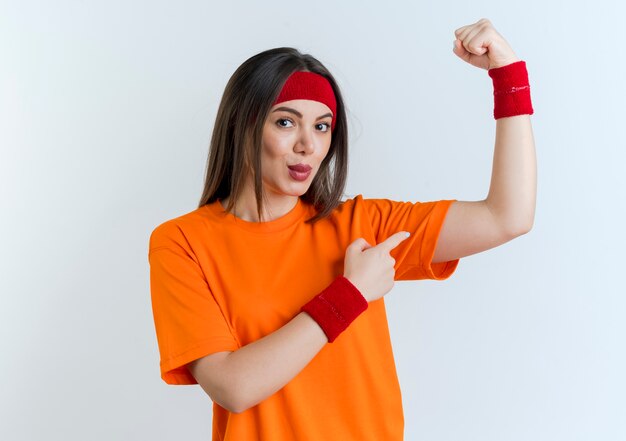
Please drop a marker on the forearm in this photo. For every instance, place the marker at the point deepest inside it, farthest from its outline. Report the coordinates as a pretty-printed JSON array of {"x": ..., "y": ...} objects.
[
  {"x": 512, "y": 193},
  {"x": 245, "y": 377},
  {"x": 241, "y": 379}
]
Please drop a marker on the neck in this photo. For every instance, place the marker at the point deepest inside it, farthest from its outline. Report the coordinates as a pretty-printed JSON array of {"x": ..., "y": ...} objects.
[{"x": 274, "y": 205}]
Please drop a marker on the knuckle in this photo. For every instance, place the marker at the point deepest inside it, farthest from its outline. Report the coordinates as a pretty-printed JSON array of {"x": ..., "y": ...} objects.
[{"x": 356, "y": 243}]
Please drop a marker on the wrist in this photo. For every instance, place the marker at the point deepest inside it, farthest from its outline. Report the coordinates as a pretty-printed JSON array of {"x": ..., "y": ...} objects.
[
  {"x": 511, "y": 90},
  {"x": 356, "y": 285},
  {"x": 336, "y": 307},
  {"x": 501, "y": 63}
]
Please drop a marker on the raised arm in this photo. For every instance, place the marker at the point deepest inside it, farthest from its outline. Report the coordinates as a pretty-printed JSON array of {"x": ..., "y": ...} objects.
[{"x": 508, "y": 210}]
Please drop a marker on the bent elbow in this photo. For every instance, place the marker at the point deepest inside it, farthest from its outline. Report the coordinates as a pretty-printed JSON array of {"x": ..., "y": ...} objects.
[
  {"x": 528, "y": 227},
  {"x": 238, "y": 408},
  {"x": 232, "y": 407},
  {"x": 223, "y": 384},
  {"x": 234, "y": 404},
  {"x": 231, "y": 399},
  {"x": 519, "y": 228}
]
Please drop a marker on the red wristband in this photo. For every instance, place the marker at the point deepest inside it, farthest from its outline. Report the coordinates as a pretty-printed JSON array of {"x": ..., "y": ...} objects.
[
  {"x": 511, "y": 90},
  {"x": 336, "y": 307}
]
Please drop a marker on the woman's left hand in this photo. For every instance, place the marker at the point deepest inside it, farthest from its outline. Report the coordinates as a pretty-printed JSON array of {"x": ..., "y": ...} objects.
[{"x": 482, "y": 46}]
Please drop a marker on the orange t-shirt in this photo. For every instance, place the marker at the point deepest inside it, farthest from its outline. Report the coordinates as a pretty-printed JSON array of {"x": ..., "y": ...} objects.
[{"x": 219, "y": 282}]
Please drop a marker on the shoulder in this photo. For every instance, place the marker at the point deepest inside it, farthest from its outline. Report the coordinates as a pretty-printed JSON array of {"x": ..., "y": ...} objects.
[
  {"x": 346, "y": 208},
  {"x": 357, "y": 208},
  {"x": 382, "y": 210},
  {"x": 371, "y": 205},
  {"x": 178, "y": 231},
  {"x": 351, "y": 202}
]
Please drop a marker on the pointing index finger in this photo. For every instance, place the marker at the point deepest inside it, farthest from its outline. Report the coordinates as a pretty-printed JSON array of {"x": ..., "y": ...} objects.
[{"x": 394, "y": 240}]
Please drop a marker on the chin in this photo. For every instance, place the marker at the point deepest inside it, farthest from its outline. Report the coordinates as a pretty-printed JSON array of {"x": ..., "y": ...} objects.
[
  {"x": 291, "y": 188},
  {"x": 298, "y": 191}
]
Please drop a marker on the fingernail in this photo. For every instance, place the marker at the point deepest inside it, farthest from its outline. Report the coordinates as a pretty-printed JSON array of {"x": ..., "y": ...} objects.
[{"x": 407, "y": 234}]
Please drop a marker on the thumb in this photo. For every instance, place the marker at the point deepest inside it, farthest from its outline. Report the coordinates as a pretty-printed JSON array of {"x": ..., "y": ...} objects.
[
  {"x": 460, "y": 51},
  {"x": 394, "y": 240},
  {"x": 359, "y": 245},
  {"x": 477, "y": 60}
]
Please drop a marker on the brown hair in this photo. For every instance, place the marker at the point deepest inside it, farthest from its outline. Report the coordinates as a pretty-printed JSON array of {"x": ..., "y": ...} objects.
[{"x": 236, "y": 140}]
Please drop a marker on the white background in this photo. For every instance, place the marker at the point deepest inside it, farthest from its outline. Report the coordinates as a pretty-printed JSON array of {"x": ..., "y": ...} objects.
[{"x": 106, "y": 110}]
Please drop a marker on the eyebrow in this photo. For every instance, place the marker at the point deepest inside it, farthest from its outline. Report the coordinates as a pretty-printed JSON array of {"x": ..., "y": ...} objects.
[{"x": 298, "y": 114}]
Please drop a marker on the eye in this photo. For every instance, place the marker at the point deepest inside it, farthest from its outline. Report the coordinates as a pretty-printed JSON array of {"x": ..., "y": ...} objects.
[
  {"x": 325, "y": 126},
  {"x": 284, "y": 122}
]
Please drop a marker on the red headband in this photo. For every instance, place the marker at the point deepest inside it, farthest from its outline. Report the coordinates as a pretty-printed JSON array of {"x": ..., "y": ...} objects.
[{"x": 309, "y": 86}]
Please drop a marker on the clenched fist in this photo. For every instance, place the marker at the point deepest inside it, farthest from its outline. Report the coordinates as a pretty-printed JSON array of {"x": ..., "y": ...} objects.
[{"x": 482, "y": 46}]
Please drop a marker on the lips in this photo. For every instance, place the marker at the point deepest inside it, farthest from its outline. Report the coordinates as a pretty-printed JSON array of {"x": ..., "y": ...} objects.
[
  {"x": 301, "y": 168},
  {"x": 300, "y": 172}
]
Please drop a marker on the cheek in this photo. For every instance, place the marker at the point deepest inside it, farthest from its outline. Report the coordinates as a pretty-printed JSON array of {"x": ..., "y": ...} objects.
[
  {"x": 274, "y": 147},
  {"x": 325, "y": 150},
  {"x": 272, "y": 159}
]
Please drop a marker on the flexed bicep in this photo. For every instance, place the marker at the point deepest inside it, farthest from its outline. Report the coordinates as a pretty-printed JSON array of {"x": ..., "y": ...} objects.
[{"x": 469, "y": 228}]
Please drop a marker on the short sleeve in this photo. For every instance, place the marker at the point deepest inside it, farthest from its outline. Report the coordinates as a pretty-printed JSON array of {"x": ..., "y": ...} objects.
[
  {"x": 188, "y": 320},
  {"x": 424, "y": 221}
]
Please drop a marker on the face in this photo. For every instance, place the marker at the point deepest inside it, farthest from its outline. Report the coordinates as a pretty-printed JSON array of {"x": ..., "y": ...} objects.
[{"x": 296, "y": 138}]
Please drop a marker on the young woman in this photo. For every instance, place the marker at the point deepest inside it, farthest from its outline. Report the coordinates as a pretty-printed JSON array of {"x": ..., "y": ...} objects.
[{"x": 270, "y": 294}]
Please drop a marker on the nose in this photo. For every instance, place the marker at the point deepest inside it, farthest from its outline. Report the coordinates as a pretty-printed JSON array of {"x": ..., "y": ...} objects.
[{"x": 305, "y": 143}]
